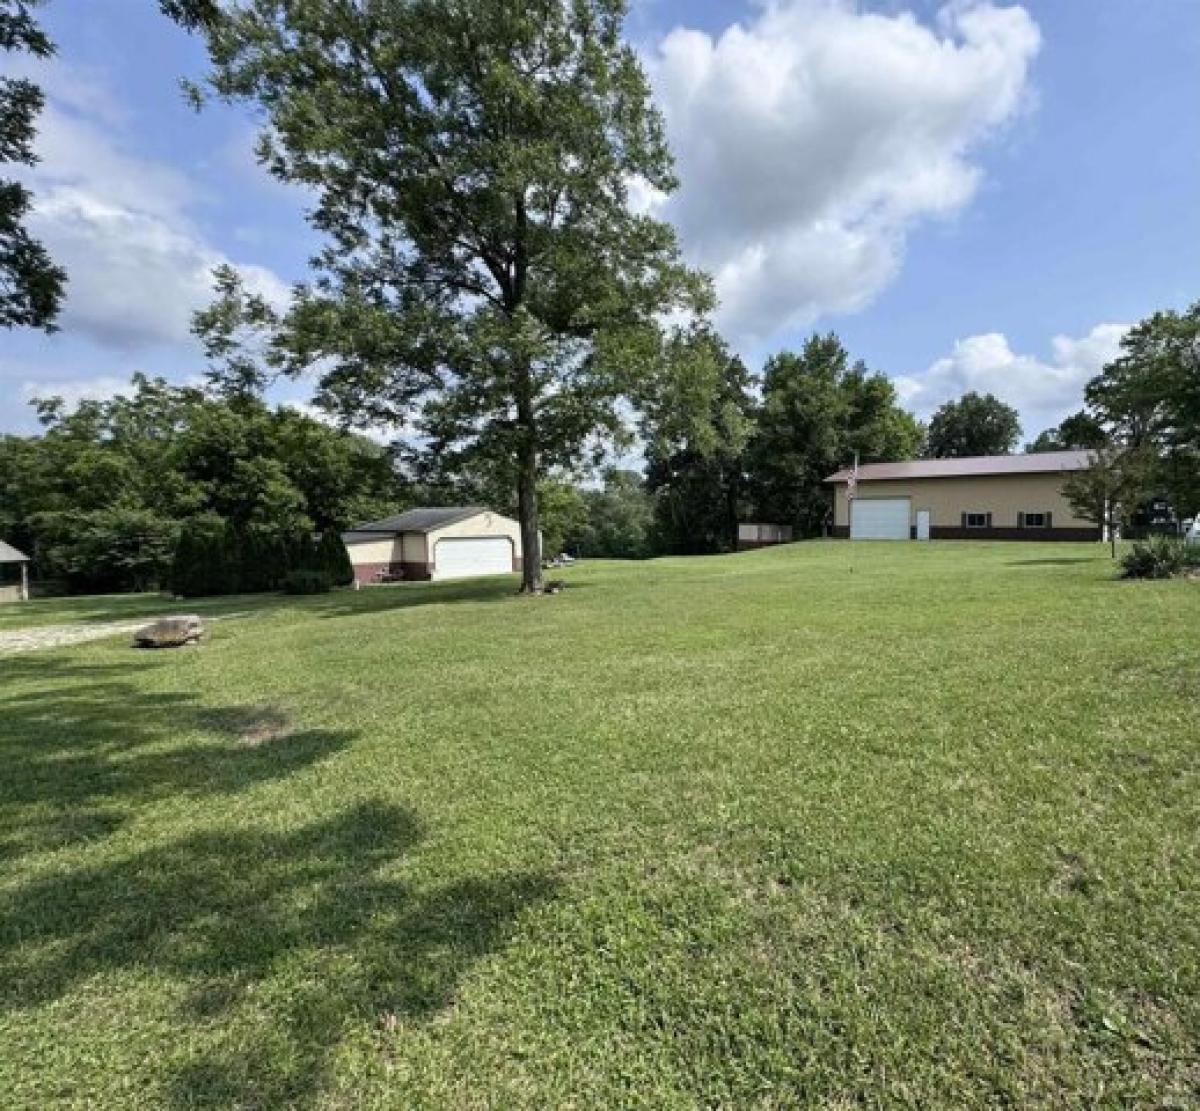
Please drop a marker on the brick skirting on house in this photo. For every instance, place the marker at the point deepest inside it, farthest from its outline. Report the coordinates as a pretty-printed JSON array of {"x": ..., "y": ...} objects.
[
  {"x": 943, "y": 532},
  {"x": 370, "y": 572}
]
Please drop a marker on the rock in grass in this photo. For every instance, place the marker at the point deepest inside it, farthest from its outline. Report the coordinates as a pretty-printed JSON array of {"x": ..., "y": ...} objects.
[{"x": 170, "y": 632}]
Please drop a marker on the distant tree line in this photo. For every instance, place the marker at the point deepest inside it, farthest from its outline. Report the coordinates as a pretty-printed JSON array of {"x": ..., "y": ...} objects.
[
  {"x": 486, "y": 284},
  {"x": 720, "y": 447},
  {"x": 142, "y": 491},
  {"x": 104, "y": 496}
]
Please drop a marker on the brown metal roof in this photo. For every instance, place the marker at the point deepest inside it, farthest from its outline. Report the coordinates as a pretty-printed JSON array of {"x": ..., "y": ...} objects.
[
  {"x": 9, "y": 554},
  {"x": 1038, "y": 462}
]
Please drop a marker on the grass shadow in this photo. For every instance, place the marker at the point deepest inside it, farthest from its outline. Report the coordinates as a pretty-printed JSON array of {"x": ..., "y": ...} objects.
[
  {"x": 83, "y": 745},
  {"x": 285, "y": 952},
  {"x": 339, "y": 603},
  {"x": 394, "y": 596},
  {"x": 100, "y": 609},
  {"x": 1057, "y": 561}
]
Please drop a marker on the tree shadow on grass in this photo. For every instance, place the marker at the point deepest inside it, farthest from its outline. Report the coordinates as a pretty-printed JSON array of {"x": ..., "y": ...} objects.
[
  {"x": 276, "y": 941},
  {"x": 1055, "y": 561},
  {"x": 343, "y": 602},
  {"x": 394, "y": 596},
  {"x": 82, "y": 745},
  {"x": 397, "y": 596}
]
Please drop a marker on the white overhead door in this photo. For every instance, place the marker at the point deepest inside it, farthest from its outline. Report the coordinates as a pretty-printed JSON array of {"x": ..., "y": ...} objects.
[
  {"x": 461, "y": 558},
  {"x": 879, "y": 519}
]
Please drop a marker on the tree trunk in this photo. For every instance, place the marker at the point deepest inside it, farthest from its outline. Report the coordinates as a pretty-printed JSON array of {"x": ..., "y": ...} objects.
[
  {"x": 531, "y": 546},
  {"x": 732, "y": 496}
]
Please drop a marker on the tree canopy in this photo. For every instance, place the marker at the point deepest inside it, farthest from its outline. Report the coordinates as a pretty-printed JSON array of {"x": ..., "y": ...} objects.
[
  {"x": 697, "y": 427},
  {"x": 818, "y": 409},
  {"x": 1077, "y": 432},
  {"x": 975, "y": 424},
  {"x": 485, "y": 278},
  {"x": 31, "y": 285},
  {"x": 620, "y": 520},
  {"x": 1148, "y": 399},
  {"x": 100, "y": 497}
]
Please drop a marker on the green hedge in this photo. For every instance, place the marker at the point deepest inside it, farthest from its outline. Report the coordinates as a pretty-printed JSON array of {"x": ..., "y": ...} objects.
[{"x": 214, "y": 557}]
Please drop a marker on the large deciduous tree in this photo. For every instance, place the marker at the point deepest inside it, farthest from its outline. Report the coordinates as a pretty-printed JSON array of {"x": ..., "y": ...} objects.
[
  {"x": 31, "y": 285},
  {"x": 697, "y": 426},
  {"x": 975, "y": 424},
  {"x": 485, "y": 278},
  {"x": 818, "y": 410},
  {"x": 1079, "y": 431},
  {"x": 1148, "y": 400}
]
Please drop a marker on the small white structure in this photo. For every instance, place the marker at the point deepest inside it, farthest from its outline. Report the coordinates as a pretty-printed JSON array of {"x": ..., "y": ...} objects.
[
  {"x": 17, "y": 592},
  {"x": 437, "y": 542},
  {"x": 754, "y": 535}
]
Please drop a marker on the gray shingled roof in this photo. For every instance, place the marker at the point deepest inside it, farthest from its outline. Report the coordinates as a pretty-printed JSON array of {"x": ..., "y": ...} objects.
[
  {"x": 9, "y": 554},
  {"x": 422, "y": 520},
  {"x": 1038, "y": 462}
]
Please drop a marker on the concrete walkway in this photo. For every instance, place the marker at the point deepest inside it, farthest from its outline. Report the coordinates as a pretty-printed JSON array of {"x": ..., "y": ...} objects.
[{"x": 13, "y": 641}]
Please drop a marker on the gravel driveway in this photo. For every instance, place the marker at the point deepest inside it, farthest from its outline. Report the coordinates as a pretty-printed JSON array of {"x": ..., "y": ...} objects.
[{"x": 55, "y": 636}]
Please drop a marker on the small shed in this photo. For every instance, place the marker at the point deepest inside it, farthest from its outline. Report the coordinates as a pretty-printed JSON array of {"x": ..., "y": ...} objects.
[
  {"x": 753, "y": 534},
  {"x": 13, "y": 563},
  {"x": 435, "y": 542}
]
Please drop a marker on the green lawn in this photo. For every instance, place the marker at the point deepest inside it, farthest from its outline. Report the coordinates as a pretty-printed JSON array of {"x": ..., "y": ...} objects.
[{"x": 822, "y": 824}]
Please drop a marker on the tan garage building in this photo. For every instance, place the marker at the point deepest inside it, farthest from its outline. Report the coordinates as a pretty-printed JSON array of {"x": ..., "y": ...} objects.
[
  {"x": 993, "y": 497},
  {"x": 439, "y": 542}
]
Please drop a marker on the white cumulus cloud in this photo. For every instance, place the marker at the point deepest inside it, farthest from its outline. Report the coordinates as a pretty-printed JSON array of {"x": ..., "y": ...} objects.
[
  {"x": 1043, "y": 391},
  {"x": 137, "y": 264},
  {"x": 75, "y": 390},
  {"x": 811, "y": 139}
]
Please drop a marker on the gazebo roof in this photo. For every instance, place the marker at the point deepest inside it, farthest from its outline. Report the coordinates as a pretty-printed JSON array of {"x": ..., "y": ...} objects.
[{"x": 9, "y": 554}]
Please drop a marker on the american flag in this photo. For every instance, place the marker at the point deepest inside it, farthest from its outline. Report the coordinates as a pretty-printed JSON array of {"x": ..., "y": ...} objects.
[{"x": 852, "y": 481}]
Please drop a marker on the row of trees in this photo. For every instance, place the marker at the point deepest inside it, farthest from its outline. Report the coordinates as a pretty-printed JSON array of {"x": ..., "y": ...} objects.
[
  {"x": 487, "y": 285},
  {"x": 100, "y": 498},
  {"x": 719, "y": 451},
  {"x": 216, "y": 557}
]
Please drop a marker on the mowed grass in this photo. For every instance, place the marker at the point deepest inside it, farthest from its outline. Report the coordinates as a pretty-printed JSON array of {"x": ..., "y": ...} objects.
[{"x": 821, "y": 825}]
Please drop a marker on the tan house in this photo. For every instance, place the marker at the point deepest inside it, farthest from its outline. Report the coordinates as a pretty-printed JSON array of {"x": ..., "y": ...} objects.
[
  {"x": 14, "y": 564},
  {"x": 993, "y": 497},
  {"x": 439, "y": 542}
]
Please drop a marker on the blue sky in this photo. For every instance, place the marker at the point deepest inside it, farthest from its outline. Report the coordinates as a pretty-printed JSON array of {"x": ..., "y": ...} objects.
[{"x": 973, "y": 195}]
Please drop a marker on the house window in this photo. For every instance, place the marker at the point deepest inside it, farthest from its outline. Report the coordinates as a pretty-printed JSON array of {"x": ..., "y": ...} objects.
[
  {"x": 977, "y": 520},
  {"x": 1035, "y": 520}
]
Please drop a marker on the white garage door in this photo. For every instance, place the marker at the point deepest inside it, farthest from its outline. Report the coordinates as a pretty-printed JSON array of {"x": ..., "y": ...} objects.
[
  {"x": 879, "y": 519},
  {"x": 462, "y": 558}
]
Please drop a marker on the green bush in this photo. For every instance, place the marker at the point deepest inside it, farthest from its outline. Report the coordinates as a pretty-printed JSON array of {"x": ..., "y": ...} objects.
[
  {"x": 335, "y": 560},
  {"x": 259, "y": 562},
  {"x": 202, "y": 559},
  {"x": 1160, "y": 557},
  {"x": 306, "y": 582}
]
